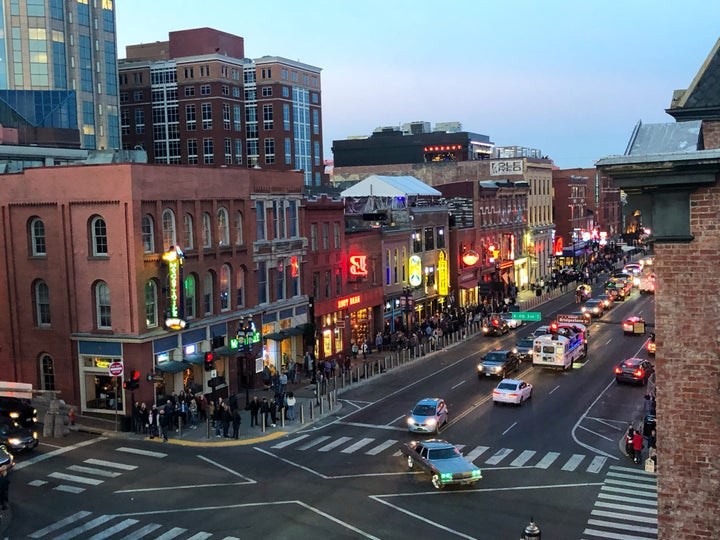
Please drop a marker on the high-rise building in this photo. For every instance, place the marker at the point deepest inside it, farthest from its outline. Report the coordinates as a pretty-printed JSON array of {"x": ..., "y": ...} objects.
[
  {"x": 196, "y": 100},
  {"x": 58, "y": 68}
]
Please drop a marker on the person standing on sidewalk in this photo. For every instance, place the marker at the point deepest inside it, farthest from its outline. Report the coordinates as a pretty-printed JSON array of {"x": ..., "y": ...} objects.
[
  {"x": 291, "y": 406},
  {"x": 254, "y": 408},
  {"x": 236, "y": 420},
  {"x": 638, "y": 443}
]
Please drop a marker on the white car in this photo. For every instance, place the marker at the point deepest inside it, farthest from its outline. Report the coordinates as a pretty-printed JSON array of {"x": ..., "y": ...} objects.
[
  {"x": 512, "y": 322},
  {"x": 512, "y": 391},
  {"x": 540, "y": 331}
]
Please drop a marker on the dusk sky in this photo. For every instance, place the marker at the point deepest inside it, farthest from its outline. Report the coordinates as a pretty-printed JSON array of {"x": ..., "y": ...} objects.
[{"x": 570, "y": 78}]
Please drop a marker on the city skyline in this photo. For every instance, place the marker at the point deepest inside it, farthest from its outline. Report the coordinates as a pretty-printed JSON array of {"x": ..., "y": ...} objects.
[{"x": 571, "y": 82}]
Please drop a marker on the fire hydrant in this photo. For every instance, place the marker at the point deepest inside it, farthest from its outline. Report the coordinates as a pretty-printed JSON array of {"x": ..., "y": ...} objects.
[
  {"x": 71, "y": 416},
  {"x": 531, "y": 532}
]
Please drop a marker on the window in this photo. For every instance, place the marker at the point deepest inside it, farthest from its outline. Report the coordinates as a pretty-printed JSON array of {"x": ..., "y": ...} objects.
[
  {"x": 395, "y": 266},
  {"x": 206, "y": 115},
  {"x": 328, "y": 284},
  {"x": 189, "y": 90},
  {"x": 192, "y": 151},
  {"x": 236, "y": 118},
  {"x": 190, "y": 117},
  {"x": 280, "y": 281},
  {"x": 338, "y": 282},
  {"x": 148, "y": 239},
  {"x": 313, "y": 237},
  {"x": 208, "y": 294},
  {"x": 417, "y": 241},
  {"x": 240, "y": 288},
  {"x": 293, "y": 218},
  {"x": 262, "y": 283},
  {"x": 440, "y": 238},
  {"x": 42, "y": 303},
  {"x": 37, "y": 238},
  {"x": 238, "y": 228},
  {"x": 288, "y": 152},
  {"x": 226, "y": 115},
  {"x": 316, "y": 284},
  {"x": 168, "y": 224},
  {"x": 223, "y": 227},
  {"x": 99, "y": 237},
  {"x": 224, "y": 288},
  {"x": 225, "y": 90},
  {"x": 267, "y": 91},
  {"x": 48, "y": 372},
  {"x": 103, "y": 319},
  {"x": 205, "y": 90},
  {"x": 208, "y": 155},
  {"x": 139, "y": 121},
  {"x": 206, "y": 230},
  {"x": 326, "y": 236},
  {"x": 429, "y": 239},
  {"x": 190, "y": 297},
  {"x": 228, "y": 150},
  {"x": 151, "y": 305},
  {"x": 260, "y": 218},
  {"x": 267, "y": 116},
  {"x": 188, "y": 241},
  {"x": 286, "y": 117},
  {"x": 269, "y": 151},
  {"x": 336, "y": 235}
]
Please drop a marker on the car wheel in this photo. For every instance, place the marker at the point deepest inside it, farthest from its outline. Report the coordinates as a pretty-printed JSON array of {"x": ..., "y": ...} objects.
[
  {"x": 436, "y": 482},
  {"x": 618, "y": 381},
  {"x": 410, "y": 462}
]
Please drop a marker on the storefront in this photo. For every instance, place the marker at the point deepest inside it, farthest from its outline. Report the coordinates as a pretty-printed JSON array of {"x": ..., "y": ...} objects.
[
  {"x": 283, "y": 334},
  {"x": 100, "y": 392}
]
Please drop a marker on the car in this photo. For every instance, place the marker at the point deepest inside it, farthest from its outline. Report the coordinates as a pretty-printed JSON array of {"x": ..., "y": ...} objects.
[
  {"x": 427, "y": 416},
  {"x": 633, "y": 325},
  {"x": 634, "y": 370},
  {"x": 632, "y": 268},
  {"x": 524, "y": 348},
  {"x": 19, "y": 410},
  {"x": 6, "y": 458},
  {"x": 650, "y": 345},
  {"x": 620, "y": 289},
  {"x": 594, "y": 307},
  {"x": 442, "y": 460},
  {"x": 513, "y": 323},
  {"x": 647, "y": 284},
  {"x": 585, "y": 291},
  {"x": 541, "y": 331},
  {"x": 498, "y": 363},
  {"x": 496, "y": 326},
  {"x": 17, "y": 437},
  {"x": 512, "y": 391},
  {"x": 607, "y": 299}
]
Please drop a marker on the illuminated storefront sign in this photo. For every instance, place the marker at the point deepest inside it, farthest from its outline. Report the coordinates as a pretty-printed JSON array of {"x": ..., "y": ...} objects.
[
  {"x": 470, "y": 257},
  {"x": 349, "y": 301},
  {"x": 174, "y": 259},
  {"x": 558, "y": 247},
  {"x": 415, "y": 271},
  {"x": 442, "y": 273},
  {"x": 294, "y": 267},
  {"x": 358, "y": 265}
]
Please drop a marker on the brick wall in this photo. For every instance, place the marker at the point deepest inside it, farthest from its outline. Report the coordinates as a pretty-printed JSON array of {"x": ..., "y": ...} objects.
[
  {"x": 711, "y": 134},
  {"x": 688, "y": 377}
]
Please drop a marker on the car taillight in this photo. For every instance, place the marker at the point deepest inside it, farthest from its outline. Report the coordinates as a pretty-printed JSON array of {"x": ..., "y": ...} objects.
[
  {"x": 496, "y": 393},
  {"x": 639, "y": 373},
  {"x": 512, "y": 395}
]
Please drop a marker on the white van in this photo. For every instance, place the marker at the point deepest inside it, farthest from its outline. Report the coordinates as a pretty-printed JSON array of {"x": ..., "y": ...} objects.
[{"x": 558, "y": 352}]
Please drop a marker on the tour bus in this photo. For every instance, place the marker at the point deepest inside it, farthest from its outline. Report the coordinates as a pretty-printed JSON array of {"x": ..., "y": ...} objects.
[{"x": 558, "y": 351}]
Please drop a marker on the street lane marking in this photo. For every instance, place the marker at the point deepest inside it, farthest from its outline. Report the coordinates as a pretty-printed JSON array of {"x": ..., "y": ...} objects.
[
  {"x": 172, "y": 533},
  {"x": 201, "y": 536},
  {"x": 391, "y": 422},
  {"x": 124, "y": 524},
  {"x": 226, "y": 469},
  {"x": 499, "y": 456},
  {"x": 289, "y": 442},
  {"x": 545, "y": 462},
  {"x": 572, "y": 463},
  {"x": 380, "y": 447},
  {"x": 596, "y": 464},
  {"x": 626, "y": 507},
  {"x": 111, "y": 464},
  {"x": 523, "y": 458},
  {"x": 551, "y": 391},
  {"x": 144, "y": 531},
  {"x": 628, "y": 517},
  {"x": 314, "y": 442},
  {"x": 60, "y": 524},
  {"x": 83, "y": 528},
  {"x": 635, "y": 492},
  {"x": 74, "y": 478},
  {"x": 595, "y": 433},
  {"x": 54, "y": 453},
  {"x": 357, "y": 446},
  {"x": 93, "y": 470},
  {"x": 476, "y": 452},
  {"x": 337, "y": 442},
  {"x": 289, "y": 462},
  {"x": 583, "y": 416},
  {"x": 373, "y": 426},
  {"x": 620, "y": 498},
  {"x": 70, "y": 489},
  {"x": 141, "y": 452},
  {"x": 624, "y": 526},
  {"x": 458, "y": 384},
  {"x": 508, "y": 429},
  {"x": 637, "y": 485}
]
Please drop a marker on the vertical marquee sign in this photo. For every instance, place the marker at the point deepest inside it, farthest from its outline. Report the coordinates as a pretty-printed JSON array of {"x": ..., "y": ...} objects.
[
  {"x": 174, "y": 259},
  {"x": 442, "y": 281},
  {"x": 415, "y": 273}
]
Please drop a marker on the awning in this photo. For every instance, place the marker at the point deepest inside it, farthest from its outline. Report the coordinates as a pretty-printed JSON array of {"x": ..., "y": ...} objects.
[
  {"x": 467, "y": 284},
  {"x": 284, "y": 334},
  {"x": 173, "y": 366},
  {"x": 226, "y": 351},
  {"x": 197, "y": 358}
]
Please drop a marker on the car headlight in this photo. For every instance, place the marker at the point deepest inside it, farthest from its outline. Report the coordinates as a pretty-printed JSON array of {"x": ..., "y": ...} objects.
[
  {"x": 496, "y": 368},
  {"x": 14, "y": 414},
  {"x": 480, "y": 367},
  {"x": 35, "y": 434},
  {"x": 14, "y": 441},
  {"x": 430, "y": 422},
  {"x": 410, "y": 422},
  {"x": 476, "y": 473}
]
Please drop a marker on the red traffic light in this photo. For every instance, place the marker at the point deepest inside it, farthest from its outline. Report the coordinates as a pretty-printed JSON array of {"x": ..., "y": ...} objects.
[{"x": 209, "y": 361}]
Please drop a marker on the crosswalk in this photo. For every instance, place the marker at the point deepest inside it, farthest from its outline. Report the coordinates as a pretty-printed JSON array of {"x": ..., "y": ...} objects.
[
  {"x": 626, "y": 507},
  {"x": 494, "y": 457},
  {"x": 93, "y": 472},
  {"x": 89, "y": 526}
]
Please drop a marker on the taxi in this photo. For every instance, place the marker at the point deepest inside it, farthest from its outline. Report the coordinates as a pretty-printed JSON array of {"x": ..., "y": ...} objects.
[
  {"x": 633, "y": 325},
  {"x": 650, "y": 345}
]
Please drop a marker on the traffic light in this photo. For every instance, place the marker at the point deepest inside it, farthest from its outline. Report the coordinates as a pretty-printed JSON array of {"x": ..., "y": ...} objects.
[
  {"x": 209, "y": 361},
  {"x": 133, "y": 382}
]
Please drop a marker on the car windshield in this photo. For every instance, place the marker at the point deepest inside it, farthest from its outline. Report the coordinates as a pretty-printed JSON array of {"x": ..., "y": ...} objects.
[
  {"x": 424, "y": 410},
  {"x": 494, "y": 357},
  {"x": 507, "y": 386},
  {"x": 443, "y": 453},
  {"x": 525, "y": 343}
]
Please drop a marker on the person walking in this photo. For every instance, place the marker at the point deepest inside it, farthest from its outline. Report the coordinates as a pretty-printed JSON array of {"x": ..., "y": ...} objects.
[
  {"x": 226, "y": 420},
  {"x": 254, "y": 408},
  {"x": 638, "y": 443},
  {"x": 629, "y": 451}
]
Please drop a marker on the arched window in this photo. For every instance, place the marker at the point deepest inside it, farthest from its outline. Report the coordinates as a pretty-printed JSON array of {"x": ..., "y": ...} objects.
[
  {"x": 206, "y": 230},
  {"x": 188, "y": 232},
  {"x": 151, "y": 305},
  {"x": 208, "y": 293},
  {"x": 102, "y": 305},
  {"x": 47, "y": 373},
  {"x": 224, "y": 287},
  {"x": 98, "y": 233},
  {"x": 238, "y": 228},
  {"x": 42, "y": 303},
  {"x": 240, "y": 288},
  {"x": 223, "y": 227},
  {"x": 168, "y": 225},
  {"x": 148, "y": 234},
  {"x": 190, "y": 297},
  {"x": 37, "y": 238}
]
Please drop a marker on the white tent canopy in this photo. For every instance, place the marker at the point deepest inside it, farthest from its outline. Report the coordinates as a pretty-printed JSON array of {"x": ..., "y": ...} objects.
[{"x": 390, "y": 186}]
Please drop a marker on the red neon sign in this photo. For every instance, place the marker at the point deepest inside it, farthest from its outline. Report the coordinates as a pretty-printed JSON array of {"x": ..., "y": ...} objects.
[
  {"x": 358, "y": 265},
  {"x": 470, "y": 257},
  {"x": 294, "y": 266}
]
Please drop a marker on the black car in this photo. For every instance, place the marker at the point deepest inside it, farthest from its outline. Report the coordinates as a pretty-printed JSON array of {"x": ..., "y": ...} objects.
[
  {"x": 6, "y": 458},
  {"x": 524, "y": 348},
  {"x": 16, "y": 437},
  {"x": 19, "y": 410},
  {"x": 634, "y": 370},
  {"x": 498, "y": 364},
  {"x": 496, "y": 326}
]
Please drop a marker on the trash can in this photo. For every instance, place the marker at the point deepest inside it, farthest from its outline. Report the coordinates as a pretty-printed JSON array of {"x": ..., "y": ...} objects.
[{"x": 648, "y": 425}]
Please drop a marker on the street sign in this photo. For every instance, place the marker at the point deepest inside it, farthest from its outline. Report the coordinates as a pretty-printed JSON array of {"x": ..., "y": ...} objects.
[
  {"x": 571, "y": 319},
  {"x": 527, "y": 315},
  {"x": 116, "y": 369}
]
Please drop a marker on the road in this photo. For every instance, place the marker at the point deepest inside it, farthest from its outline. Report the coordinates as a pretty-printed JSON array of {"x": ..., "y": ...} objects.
[{"x": 555, "y": 458}]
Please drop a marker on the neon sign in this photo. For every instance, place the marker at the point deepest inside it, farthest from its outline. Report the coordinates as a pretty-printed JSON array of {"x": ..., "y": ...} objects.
[
  {"x": 294, "y": 267},
  {"x": 358, "y": 265},
  {"x": 415, "y": 273},
  {"x": 470, "y": 257},
  {"x": 349, "y": 301},
  {"x": 442, "y": 267},
  {"x": 174, "y": 259}
]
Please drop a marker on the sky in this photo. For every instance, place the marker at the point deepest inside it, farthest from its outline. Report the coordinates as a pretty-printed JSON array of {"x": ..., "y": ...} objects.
[{"x": 568, "y": 77}]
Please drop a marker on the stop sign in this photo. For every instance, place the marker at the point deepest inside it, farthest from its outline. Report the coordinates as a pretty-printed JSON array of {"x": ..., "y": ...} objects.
[{"x": 116, "y": 369}]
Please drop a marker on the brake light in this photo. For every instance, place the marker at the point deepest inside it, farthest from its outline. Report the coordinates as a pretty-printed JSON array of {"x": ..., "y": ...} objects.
[
  {"x": 639, "y": 373},
  {"x": 512, "y": 395},
  {"x": 495, "y": 322},
  {"x": 496, "y": 393}
]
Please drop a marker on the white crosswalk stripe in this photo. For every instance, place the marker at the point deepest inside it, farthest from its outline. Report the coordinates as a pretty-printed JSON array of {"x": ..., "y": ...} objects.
[
  {"x": 626, "y": 507},
  {"x": 492, "y": 457}
]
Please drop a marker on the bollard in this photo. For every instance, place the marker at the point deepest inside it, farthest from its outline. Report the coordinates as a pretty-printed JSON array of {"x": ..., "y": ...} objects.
[
  {"x": 282, "y": 416},
  {"x": 262, "y": 423},
  {"x": 207, "y": 424},
  {"x": 312, "y": 411},
  {"x": 322, "y": 405},
  {"x": 302, "y": 413},
  {"x": 531, "y": 532}
]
